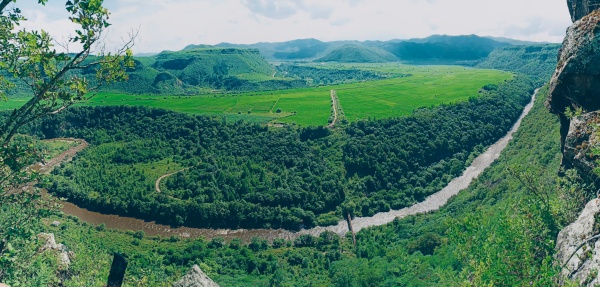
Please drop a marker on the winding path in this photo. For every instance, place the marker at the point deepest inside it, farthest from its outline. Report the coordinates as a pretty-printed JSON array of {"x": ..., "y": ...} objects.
[
  {"x": 157, "y": 183},
  {"x": 431, "y": 203}
]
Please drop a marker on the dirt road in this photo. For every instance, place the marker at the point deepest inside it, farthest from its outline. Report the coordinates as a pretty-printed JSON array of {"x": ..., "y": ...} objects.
[
  {"x": 157, "y": 183},
  {"x": 334, "y": 105},
  {"x": 45, "y": 168}
]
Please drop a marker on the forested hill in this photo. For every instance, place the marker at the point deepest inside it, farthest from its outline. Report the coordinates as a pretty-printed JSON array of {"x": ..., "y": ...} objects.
[
  {"x": 537, "y": 61},
  {"x": 202, "y": 70},
  {"x": 357, "y": 54},
  {"x": 444, "y": 49}
]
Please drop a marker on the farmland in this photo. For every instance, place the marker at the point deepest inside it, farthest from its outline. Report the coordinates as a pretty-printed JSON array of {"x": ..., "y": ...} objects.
[{"x": 397, "y": 96}]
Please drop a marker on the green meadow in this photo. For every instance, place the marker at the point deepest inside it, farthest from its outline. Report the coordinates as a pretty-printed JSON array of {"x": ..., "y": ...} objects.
[{"x": 397, "y": 96}]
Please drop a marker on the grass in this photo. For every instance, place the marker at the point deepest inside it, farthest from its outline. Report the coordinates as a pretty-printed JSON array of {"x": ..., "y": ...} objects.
[
  {"x": 12, "y": 103},
  {"x": 152, "y": 170},
  {"x": 56, "y": 147},
  {"x": 394, "y": 97}
]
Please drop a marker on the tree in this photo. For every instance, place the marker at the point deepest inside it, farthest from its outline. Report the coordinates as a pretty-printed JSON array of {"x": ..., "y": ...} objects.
[
  {"x": 56, "y": 82},
  {"x": 54, "y": 78}
]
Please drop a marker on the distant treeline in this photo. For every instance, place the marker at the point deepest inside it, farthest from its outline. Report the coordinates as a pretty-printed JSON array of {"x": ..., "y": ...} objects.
[
  {"x": 246, "y": 175},
  {"x": 317, "y": 76}
]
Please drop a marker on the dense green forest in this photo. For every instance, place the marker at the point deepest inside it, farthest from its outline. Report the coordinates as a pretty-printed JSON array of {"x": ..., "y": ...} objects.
[{"x": 246, "y": 175}]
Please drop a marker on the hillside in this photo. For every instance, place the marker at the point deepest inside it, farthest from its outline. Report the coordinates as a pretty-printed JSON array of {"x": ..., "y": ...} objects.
[
  {"x": 443, "y": 49},
  {"x": 197, "y": 70},
  {"x": 534, "y": 60},
  {"x": 357, "y": 54}
]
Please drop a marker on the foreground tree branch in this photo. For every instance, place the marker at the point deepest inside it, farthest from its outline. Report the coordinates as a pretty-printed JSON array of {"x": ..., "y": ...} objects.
[{"x": 55, "y": 78}]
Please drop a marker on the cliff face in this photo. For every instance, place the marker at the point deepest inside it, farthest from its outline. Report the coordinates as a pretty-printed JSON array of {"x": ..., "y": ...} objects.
[
  {"x": 575, "y": 98},
  {"x": 575, "y": 85},
  {"x": 580, "y": 8}
]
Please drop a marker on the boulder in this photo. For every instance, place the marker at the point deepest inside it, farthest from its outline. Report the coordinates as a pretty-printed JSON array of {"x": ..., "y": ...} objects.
[
  {"x": 576, "y": 81},
  {"x": 581, "y": 264},
  {"x": 580, "y": 8},
  {"x": 64, "y": 255},
  {"x": 195, "y": 278}
]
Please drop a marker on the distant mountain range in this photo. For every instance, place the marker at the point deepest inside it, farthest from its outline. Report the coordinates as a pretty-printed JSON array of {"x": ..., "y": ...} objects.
[
  {"x": 436, "y": 49},
  {"x": 271, "y": 66}
]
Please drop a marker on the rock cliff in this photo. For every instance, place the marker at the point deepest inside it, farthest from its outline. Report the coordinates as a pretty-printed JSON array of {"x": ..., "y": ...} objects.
[
  {"x": 577, "y": 248},
  {"x": 575, "y": 98},
  {"x": 575, "y": 85},
  {"x": 581, "y": 139},
  {"x": 580, "y": 8}
]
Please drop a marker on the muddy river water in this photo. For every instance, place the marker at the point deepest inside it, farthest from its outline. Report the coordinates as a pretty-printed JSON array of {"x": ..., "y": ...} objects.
[{"x": 433, "y": 202}]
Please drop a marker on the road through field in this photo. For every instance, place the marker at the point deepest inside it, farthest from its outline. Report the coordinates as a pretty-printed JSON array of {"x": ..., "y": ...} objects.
[
  {"x": 334, "y": 107},
  {"x": 432, "y": 203}
]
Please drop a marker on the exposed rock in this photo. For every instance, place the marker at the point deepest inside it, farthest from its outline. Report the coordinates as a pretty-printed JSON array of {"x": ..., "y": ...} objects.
[
  {"x": 55, "y": 223},
  {"x": 583, "y": 266},
  {"x": 195, "y": 278},
  {"x": 64, "y": 255},
  {"x": 576, "y": 81},
  {"x": 580, "y": 8},
  {"x": 581, "y": 138}
]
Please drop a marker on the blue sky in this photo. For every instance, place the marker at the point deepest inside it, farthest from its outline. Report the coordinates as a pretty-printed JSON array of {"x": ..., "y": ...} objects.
[{"x": 173, "y": 24}]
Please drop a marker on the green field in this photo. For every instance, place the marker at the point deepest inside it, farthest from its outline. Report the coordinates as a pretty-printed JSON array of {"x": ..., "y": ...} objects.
[{"x": 399, "y": 96}]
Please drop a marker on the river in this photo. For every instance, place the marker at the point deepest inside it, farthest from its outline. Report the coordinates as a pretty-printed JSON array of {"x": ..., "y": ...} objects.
[{"x": 431, "y": 203}]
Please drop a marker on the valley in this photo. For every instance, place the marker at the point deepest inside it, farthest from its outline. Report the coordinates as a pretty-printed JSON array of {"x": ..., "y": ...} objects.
[
  {"x": 299, "y": 163},
  {"x": 431, "y": 203}
]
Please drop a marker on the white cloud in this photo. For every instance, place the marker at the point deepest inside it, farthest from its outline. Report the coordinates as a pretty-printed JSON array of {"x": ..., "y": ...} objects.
[
  {"x": 173, "y": 24},
  {"x": 272, "y": 8}
]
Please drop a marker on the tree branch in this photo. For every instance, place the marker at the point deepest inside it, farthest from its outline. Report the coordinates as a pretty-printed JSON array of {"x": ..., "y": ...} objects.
[{"x": 3, "y": 4}]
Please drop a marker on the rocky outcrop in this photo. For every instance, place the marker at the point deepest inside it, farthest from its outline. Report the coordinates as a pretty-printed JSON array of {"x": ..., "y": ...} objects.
[
  {"x": 64, "y": 255},
  {"x": 581, "y": 138},
  {"x": 578, "y": 248},
  {"x": 195, "y": 278},
  {"x": 575, "y": 84},
  {"x": 580, "y": 8}
]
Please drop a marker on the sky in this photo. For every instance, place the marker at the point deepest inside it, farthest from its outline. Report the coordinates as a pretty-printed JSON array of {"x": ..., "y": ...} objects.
[{"x": 174, "y": 24}]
